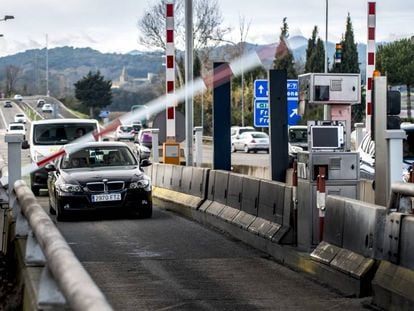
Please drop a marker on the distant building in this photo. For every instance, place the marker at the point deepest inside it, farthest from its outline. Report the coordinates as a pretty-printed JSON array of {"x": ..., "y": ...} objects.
[{"x": 126, "y": 83}]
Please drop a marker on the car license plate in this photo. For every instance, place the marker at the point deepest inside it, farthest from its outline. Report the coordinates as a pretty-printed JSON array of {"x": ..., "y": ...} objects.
[{"x": 105, "y": 197}]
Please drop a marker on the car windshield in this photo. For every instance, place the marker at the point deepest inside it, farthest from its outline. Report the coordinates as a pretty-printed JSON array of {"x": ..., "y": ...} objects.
[
  {"x": 107, "y": 156},
  {"x": 59, "y": 134},
  {"x": 259, "y": 135},
  {"x": 126, "y": 128},
  {"x": 298, "y": 135},
  {"x": 16, "y": 128},
  {"x": 241, "y": 131},
  {"x": 19, "y": 115}
]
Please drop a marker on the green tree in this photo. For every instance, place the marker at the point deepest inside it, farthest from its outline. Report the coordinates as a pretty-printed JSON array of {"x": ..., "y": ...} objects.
[
  {"x": 315, "y": 53},
  {"x": 396, "y": 61},
  {"x": 349, "y": 63},
  {"x": 284, "y": 57},
  {"x": 93, "y": 91}
]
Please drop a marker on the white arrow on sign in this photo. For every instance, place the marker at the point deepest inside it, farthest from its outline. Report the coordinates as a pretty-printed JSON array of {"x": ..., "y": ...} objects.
[
  {"x": 294, "y": 112},
  {"x": 260, "y": 89}
]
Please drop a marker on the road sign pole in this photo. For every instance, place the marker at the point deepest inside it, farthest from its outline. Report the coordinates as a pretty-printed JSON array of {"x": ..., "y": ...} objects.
[{"x": 279, "y": 157}]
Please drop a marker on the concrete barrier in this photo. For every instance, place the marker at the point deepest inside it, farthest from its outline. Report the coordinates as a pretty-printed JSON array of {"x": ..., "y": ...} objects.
[
  {"x": 394, "y": 281},
  {"x": 184, "y": 185},
  {"x": 167, "y": 180},
  {"x": 352, "y": 241},
  {"x": 176, "y": 179}
]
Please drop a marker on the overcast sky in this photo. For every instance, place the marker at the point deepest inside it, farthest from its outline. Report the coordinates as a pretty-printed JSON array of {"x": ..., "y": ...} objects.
[{"x": 111, "y": 26}]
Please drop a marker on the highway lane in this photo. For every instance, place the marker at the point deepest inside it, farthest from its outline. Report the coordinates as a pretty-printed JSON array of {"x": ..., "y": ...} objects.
[{"x": 169, "y": 262}]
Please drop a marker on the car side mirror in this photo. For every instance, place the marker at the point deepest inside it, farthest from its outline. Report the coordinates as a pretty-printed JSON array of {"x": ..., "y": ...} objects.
[
  {"x": 50, "y": 167},
  {"x": 145, "y": 162},
  {"x": 25, "y": 144}
]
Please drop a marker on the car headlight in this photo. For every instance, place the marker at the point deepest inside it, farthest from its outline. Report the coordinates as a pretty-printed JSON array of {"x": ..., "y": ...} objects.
[
  {"x": 140, "y": 184},
  {"x": 70, "y": 188}
]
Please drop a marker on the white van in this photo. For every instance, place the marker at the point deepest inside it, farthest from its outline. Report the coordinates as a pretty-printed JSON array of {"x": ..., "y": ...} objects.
[{"x": 48, "y": 136}]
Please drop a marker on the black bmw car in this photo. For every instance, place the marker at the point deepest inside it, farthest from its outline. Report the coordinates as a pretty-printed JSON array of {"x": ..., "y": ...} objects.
[{"x": 101, "y": 175}]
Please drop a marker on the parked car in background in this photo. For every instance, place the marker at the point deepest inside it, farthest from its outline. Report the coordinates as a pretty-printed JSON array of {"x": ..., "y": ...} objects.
[
  {"x": 251, "y": 141},
  {"x": 101, "y": 175},
  {"x": 236, "y": 131},
  {"x": 143, "y": 152},
  {"x": 20, "y": 118},
  {"x": 40, "y": 103},
  {"x": 7, "y": 104},
  {"x": 17, "y": 128},
  {"x": 47, "y": 108},
  {"x": 145, "y": 138},
  {"x": 124, "y": 132},
  {"x": 298, "y": 136},
  {"x": 18, "y": 97},
  {"x": 137, "y": 125},
  {"x": 367, "y": 154}
]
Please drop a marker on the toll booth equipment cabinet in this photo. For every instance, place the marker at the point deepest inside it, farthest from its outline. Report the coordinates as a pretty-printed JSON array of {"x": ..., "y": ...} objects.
[{"x": 342, "y": 177}]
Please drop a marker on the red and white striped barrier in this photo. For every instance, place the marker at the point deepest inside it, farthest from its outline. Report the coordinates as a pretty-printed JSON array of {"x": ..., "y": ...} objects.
[
  {"x": 370, "y": 63},
  {"x": 321, "y": 199},
  {"x": 170, "y": 71},
  {"x": 223, "y": 73},
  {"x": 294, "y": 194}
]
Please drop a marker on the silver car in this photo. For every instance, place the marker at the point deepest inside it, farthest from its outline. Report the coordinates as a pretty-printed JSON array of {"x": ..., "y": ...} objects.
[{"x": 251, "y": 141}]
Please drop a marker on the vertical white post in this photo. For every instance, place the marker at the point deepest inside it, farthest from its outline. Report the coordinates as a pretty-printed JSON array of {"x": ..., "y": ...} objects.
[
  {"x": 189, "y": 81},
  {"x": 326, "y": 110},
  {"x": 395, "y": 156},
  {"x": 154, "y": 135},
  {"x": 198, "y": 131},
  {"x": 14, "y": 155}
]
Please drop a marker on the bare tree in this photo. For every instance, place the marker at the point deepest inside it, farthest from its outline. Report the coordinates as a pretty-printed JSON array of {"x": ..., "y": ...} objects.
[
  {"x": 12, "y": 75},
  {"x": 207, "y": 28}
]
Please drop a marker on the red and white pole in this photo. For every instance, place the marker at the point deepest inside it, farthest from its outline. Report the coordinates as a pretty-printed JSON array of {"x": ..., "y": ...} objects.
[
  {"x": 170, "y": 72},
  {"x": 294, "y": 194},
  {"x": 321, "y": 199},
  {"x": 370, "y": 63}
]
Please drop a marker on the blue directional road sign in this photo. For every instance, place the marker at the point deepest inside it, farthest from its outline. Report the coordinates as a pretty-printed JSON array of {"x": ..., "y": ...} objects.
[
  {"x": 261, "y": 113},
  {"x": 292, "y": 101},
  {"x": 261, "y": 89}
]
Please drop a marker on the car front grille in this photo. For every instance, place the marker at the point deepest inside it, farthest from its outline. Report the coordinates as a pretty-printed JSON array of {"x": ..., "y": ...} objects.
[{"x": 108, "y": 186}]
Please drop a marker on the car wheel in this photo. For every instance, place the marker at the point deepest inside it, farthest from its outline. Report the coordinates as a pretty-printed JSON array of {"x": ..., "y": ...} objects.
[
  {"x": 60, "y": 215},
  {"x": 255, "y": 151},
  {"x": 233, "y": 149},
  {"x": 246, "y": 149},
  {"x": 36, "y": 191},
  {"x": 267, "y": 150},
  {"x": 146, "y": 213}
]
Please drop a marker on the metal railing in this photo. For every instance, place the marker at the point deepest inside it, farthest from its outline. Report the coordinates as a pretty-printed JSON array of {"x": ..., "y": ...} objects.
[{"x": 62, "y": 270}]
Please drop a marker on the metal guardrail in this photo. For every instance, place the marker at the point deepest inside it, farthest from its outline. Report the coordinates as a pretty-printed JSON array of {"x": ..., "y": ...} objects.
[{"x": 77, "y": 287}]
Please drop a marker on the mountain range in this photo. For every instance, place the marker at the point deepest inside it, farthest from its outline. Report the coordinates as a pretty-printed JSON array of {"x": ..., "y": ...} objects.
[{"x": 67, "y": 64}]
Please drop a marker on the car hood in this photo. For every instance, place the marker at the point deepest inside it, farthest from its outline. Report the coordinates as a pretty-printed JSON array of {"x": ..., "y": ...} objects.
[{"x": 83, "y": 176}]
